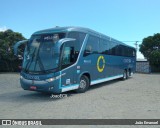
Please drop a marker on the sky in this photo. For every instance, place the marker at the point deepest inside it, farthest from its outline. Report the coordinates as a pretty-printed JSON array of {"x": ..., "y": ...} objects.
[{"x": 124, "y": 20}]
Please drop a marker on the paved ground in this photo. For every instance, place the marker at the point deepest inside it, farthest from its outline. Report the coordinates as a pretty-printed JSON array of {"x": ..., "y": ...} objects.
[{"x": 135, "y": 98}]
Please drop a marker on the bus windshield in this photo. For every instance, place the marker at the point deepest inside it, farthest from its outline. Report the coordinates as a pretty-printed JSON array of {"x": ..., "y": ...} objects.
[{"x": 42, "y": 54}]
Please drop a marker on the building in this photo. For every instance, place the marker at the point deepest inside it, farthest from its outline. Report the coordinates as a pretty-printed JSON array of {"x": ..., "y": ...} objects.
[{"x": 142, "y": 66}]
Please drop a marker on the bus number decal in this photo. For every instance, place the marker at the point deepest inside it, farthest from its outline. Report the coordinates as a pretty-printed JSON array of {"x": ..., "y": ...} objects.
[{"x": 100, "y": 69}]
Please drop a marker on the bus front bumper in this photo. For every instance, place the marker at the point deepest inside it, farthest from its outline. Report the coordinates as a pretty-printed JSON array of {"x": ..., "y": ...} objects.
[{"x": 40, "y": 85}]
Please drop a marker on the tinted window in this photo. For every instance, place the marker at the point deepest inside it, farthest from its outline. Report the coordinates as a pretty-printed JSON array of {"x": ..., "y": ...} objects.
[
  {"x": 79, "y": 39},
  {"x": 132, "y": 52},
  {"x": 127, "y": 51},
  {"x": 104, "y": 46},
  {"x": 112, "y": 48},
  {"x": 119, "y": 50},
  {"x": 92, "y": 46},
  {"x": 71, "y": 49},
  {"x": 68, "y": 54}
]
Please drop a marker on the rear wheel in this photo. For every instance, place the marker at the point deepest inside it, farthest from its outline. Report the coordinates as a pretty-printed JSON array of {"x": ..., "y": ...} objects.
[
  {"x": 130, "y": 73},
  {"x": 127, "y": 73},
  {"x": 83, "y": 84},
  {"x": 124, "y": 75}
]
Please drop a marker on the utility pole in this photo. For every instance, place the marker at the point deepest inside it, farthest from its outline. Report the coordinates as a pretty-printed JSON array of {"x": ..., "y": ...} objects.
[{"x": 136, "y": 44}]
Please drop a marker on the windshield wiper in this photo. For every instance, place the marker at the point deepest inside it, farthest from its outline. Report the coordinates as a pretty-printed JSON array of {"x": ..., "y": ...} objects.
[{"x": 40, "y": 64}]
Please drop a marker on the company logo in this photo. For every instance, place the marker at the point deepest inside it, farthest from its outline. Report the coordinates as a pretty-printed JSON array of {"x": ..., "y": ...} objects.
[
  {"x": 100, "y": 58},
  {"x": 32, "y": 77}
]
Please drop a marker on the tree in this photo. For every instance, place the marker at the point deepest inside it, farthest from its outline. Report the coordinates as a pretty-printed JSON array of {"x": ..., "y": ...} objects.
[
  {"x": 7, "y": 40},
  {"x": 150, "y": 48}
]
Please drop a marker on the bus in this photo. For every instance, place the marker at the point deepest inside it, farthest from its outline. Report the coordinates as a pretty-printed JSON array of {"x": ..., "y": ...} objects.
[{"x": 73, "y": 58}]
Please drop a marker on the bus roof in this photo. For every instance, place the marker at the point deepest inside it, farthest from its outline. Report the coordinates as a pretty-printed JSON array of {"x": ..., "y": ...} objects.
[
  {"x": 66, "y": 29},
  {"x": 58, "y": 29}
]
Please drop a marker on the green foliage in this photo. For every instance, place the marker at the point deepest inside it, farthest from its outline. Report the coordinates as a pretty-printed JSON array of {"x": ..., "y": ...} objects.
[
  {"x": 154, "y": 58},
  {"x": 7, "y": 40},
  {"x": 150, "y": 48}
]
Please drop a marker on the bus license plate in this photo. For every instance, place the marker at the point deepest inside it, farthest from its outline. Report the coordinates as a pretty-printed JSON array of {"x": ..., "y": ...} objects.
[{"x": 33, "y": 87}]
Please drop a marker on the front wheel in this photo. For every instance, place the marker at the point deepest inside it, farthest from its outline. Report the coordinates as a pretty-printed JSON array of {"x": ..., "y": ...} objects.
[{"x": 83, "y": 84}]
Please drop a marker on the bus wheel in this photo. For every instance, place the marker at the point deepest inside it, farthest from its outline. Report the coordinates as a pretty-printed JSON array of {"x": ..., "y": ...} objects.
[
  {"x": 130, "y": 73},
  {"x": 83, "y": 84},
  {"x": 124, "y": 75},
  {"x": 127, "y": 74}
]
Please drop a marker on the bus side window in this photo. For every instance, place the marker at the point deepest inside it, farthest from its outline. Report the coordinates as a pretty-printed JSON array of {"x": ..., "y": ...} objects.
[
  {"x": 68, "y": 55},
  {"x": 103, "y": 47},
  {"x": 78, "y": 43},
  {"x": 91, "y": 46}
]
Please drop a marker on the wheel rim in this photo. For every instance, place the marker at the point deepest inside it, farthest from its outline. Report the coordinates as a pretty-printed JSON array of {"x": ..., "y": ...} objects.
[{"x": 82, "y": 84}]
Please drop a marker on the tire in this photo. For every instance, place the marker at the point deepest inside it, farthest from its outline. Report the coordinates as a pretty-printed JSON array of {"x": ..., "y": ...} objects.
[
  {"x": 83, "y": 84},
  {"x": 130, "y": 73},
  {"x": 125, "y": 76}
]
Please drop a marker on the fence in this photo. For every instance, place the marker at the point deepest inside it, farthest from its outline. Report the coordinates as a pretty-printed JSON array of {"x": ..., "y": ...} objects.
[{"x": 143, "y": 67}]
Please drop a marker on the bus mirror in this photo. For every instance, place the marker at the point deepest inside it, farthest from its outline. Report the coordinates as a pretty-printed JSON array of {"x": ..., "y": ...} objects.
[{"x": 16, "y": 46}]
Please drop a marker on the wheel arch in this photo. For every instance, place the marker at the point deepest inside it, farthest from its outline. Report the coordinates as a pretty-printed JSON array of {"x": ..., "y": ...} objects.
[{"x": 86, "y": 74}]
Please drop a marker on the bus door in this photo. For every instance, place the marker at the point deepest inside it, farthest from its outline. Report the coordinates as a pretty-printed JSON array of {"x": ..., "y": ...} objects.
[
  {"x": 68, "y": 67},
  {"x": 70, "y": 52}
]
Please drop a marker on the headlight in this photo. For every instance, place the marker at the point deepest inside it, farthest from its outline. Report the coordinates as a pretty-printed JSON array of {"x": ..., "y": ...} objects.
[
  {"x": 50, "y": 79},
  {"x": 21, "y": 77}
]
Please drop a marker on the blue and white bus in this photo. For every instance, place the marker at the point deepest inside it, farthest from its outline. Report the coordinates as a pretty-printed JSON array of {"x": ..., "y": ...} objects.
[{"x": 73, "y": 58}]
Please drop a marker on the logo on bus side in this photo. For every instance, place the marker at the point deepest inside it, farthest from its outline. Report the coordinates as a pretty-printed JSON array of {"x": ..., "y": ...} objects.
[{"x": 100, "y": 69}]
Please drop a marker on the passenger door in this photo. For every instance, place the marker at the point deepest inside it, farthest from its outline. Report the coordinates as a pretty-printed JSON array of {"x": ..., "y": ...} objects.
[
  {"x": 68, "y": 58},
  {"x": 70, "y": 52}
]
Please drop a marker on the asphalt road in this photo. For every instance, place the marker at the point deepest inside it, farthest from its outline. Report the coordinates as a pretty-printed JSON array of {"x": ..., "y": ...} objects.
[{"x": 135, "y": 98}]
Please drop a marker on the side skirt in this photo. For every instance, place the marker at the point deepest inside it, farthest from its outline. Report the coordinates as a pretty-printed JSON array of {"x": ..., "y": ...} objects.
[
  {"x": 106, "y": 79},
  {"x": 76, "y": 86}
]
